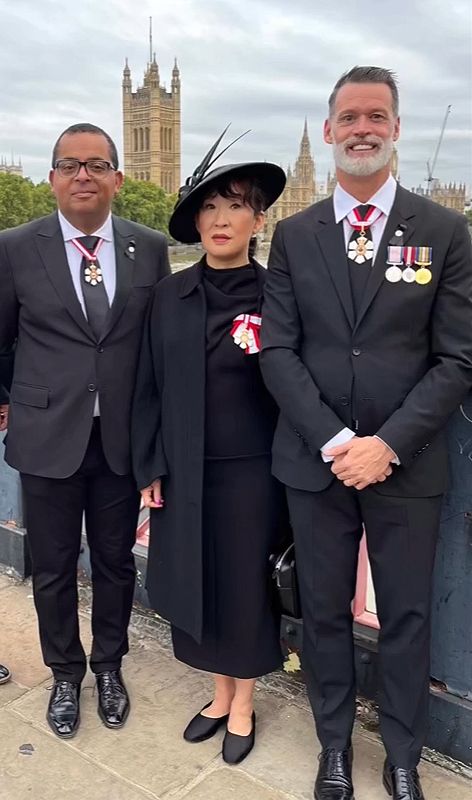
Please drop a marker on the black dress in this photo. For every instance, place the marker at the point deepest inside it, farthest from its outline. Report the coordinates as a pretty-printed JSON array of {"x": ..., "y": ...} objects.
[{"x": 242, "y": 509}]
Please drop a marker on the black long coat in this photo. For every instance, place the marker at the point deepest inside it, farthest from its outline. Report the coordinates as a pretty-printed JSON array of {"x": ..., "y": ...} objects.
[{"x": 168, "y": 427}]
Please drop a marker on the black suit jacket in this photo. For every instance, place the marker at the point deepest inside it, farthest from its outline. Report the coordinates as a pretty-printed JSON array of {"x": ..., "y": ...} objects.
[
  {"x": 400, "y": 369},
  {"x": 58, "y": 364}
]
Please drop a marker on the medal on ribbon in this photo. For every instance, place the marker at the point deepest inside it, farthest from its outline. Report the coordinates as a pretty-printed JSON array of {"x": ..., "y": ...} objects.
[
  {"x": 246, "y": 333},
  {"x": 361, "y": 248},
  {"x": 93, "y": 272},
  {"x": 409, "y": 274},
  {"x": 424, "y": 258}
]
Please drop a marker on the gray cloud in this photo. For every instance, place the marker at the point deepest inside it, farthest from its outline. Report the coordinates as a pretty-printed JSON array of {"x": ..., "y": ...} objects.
[{"x": 263, "y": 64}]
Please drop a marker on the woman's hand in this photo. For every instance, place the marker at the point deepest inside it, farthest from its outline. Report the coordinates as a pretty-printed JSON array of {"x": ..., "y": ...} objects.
[{"x": 151, "y": 495}]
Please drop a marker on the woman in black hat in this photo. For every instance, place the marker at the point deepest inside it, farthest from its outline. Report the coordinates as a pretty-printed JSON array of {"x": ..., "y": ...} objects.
[{"x": 202, "y": 435}]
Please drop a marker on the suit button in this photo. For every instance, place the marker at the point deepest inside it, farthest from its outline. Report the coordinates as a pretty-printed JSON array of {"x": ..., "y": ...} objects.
[
  {"x": 100, "y": 349},
  {"x": 344, "y": 401},
  {"x": 356, "y": 351},
  {"x": 91, "y": 387}
]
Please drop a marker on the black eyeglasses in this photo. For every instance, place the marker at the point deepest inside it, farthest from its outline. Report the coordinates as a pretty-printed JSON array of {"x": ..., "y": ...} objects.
[{"x": 94, "y": 167}]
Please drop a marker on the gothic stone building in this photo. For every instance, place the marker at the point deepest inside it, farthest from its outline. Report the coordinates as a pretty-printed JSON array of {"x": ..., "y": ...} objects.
[
  {"x": 300, "y": 188},
  {"x": 151, "y": 128}
]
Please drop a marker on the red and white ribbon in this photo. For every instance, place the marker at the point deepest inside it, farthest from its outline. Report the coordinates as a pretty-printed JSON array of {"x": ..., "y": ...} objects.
[
  {"x": 246, "y": 332},
  {"x": 91, "y": 257},
  {"x": 355, "y": 220}
]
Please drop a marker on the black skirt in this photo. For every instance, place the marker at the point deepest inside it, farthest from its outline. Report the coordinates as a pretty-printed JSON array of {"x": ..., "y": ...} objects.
[{"x": 243, "y": 509}]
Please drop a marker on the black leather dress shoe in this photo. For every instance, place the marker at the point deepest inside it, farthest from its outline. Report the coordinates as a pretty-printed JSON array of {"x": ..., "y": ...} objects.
[
  {"x": 113, "y": 700},
  {"x": 334, "y": 779},
  {"x": 402, "y": 784},
  {"x": 235, "y": 747},
  {"x": 201, "y": 728},
  {"x": 63, "y": 714},
  {"x": 5, "y": 674}
]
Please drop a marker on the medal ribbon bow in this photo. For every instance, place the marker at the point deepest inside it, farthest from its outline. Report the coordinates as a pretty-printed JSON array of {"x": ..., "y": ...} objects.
[
  {"x": 91, "y": 257},
  {"x": 246, "y": 332},
  {"x": 360, "y": 224}
]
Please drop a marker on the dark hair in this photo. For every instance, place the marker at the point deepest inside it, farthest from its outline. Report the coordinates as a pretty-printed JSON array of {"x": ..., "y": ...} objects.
[
  {"x": 367, "y": 75},
  {"x": 248, "y": 189},
  {"x": 87, "y": 127},
  {"x": 244, "y": 186}
]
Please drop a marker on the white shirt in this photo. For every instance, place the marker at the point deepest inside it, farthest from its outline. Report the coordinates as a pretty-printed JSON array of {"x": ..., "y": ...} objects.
[
  {"x": 107, "y": 260},
  {"x": 106, "y": 256},
  {"x": 344, "y": 203}
]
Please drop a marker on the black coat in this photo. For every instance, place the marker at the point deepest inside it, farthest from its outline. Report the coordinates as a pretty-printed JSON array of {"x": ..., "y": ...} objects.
[
  {"x": 401, "y": 368},
  {"x": 58, "y": 363},
  {"x": 168, "y": 428}
]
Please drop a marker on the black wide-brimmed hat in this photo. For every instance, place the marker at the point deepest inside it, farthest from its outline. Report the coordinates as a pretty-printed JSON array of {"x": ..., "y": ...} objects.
[{"x": 270, "y": 177}]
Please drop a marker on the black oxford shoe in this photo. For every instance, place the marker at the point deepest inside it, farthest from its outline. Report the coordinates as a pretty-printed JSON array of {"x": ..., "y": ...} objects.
[
  {"x": 334, "y": 779},
  {"x": 402, "y": 784},
  {"x": 201, "y": 728},
  {"x": 113, "y": 700},
  {"x": 5, "y": 674},
  {"x": 235, "y": 747},
  {"x": 63, "y": 714}
]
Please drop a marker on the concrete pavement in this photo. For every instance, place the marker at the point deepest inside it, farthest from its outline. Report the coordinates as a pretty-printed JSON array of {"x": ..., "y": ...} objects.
[{"x": 148, "y": 757}]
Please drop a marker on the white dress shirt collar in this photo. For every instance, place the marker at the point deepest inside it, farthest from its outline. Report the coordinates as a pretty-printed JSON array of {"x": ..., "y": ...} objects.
[
  {"x": 384, "y": 197},
  {"x": 69, "y": 232}
]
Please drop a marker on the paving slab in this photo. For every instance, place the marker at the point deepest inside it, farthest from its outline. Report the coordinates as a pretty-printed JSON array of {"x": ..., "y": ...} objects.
[
  {"x": 10, "y": 691},
  {"x": 53, "y": 770},
  {"x": 150, "y": 748},
  {"x": 226, "y": 784},
  {"x": 5, "y": 582},
  {"x": 19, "y": 639}
]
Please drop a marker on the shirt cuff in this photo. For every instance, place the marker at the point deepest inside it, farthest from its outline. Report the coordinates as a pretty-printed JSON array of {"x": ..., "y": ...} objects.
[
  {"x": 395, "y": 459},
  {"x": 345, "y": 435}
]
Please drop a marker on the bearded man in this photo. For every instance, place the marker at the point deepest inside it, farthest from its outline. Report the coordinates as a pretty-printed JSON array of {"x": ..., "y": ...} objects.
[{"x": 367, "y": 349}]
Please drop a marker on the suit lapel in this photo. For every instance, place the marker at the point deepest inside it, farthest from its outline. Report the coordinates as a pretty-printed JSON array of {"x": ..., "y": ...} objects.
[
  {"x": 126, "y": 250},
  {"x": 401, "y": 214},
  {"x": 53, "y": 255},
  {"x": 331, "y": 240},
  {"x": 192, "y": 325}
]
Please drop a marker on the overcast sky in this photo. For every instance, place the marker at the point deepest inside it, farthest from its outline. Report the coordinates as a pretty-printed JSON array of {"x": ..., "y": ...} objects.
[{"x": 259, "y": 64}]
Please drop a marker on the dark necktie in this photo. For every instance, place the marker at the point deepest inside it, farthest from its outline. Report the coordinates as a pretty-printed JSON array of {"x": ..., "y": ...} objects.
[
  {"x": 360, "y": 252},
  {"x": 93, "y": 288}
]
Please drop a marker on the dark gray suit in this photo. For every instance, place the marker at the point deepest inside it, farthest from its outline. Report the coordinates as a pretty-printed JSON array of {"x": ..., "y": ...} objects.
[
  {"x": 70, "y": 463},
  {"x": 398, "y": 370}
]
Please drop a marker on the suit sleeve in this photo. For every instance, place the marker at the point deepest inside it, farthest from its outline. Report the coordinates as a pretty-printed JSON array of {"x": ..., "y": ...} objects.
[
  {"x": 284, "y": 372},
  {"x": 9, "y": 309},
  {"x": 429, "y": 404},
  {"x": 163, "y": 265},
  {"x": 147, "y": 450}
]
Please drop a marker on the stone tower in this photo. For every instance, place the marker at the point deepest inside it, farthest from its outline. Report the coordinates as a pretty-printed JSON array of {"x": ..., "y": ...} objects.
[
  {"x": 151, "y": 127},
  {"x": 299, "y": 190}
]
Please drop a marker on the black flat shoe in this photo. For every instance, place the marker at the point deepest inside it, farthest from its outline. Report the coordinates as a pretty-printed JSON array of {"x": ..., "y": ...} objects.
[
  {"x": 235, "y": 747},
  {"x": 63, "y": 714},
  {"x": 113, "y": 701},
  {"x": 402, "y": 784},
  {"x": 5, "y": 674},
  {"x": 201, "y": 728},
  {"x": 334, "y": 779}
]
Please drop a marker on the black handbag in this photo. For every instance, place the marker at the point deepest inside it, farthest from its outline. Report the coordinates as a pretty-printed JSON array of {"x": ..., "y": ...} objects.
[{"x": 286, "y": 582}]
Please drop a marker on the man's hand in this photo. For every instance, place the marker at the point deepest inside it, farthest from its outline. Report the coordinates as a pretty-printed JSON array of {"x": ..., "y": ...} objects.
[
  {"x": 151, "y": 495},
  {"x": 361, "y": 461},
  {"x": 3, "y": 417}
]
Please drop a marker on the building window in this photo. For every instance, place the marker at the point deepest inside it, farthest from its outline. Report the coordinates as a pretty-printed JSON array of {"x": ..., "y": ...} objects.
[
  {"x": 148, "y": 177},
  {"x": 141, "y": 139},
  {"x": 135, "y": 139},
  {"x": 147, "y": 138},
  {"x": 142, "y": 176}
]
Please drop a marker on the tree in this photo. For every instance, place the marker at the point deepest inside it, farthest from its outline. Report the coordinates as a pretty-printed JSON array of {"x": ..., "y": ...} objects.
[
  {"x": 44, "y": 201},
  {"x": 16, "y": 200},
  {"x": 144, "y": 202}
]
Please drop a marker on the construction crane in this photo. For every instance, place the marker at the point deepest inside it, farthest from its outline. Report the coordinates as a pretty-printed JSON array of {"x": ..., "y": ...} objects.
[{"x": 431, "y": 165}]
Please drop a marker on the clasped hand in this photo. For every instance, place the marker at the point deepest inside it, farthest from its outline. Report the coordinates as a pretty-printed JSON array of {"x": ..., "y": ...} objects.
[
  {"x": 361, "y": 461},
  {"x": 152, "y": 496}
]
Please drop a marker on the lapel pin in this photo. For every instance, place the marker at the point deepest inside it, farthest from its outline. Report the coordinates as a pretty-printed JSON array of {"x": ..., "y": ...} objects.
[{"x": 130, "y": 250}]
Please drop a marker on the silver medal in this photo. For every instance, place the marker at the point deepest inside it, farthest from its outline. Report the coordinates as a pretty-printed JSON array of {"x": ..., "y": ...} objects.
[
  {"x": 393, "y": 274},
  {"x": 409, "y": 275}
]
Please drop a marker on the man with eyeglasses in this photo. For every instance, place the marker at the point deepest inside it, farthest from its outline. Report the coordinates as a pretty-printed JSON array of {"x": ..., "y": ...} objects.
[{"x": 74, "y": 288}]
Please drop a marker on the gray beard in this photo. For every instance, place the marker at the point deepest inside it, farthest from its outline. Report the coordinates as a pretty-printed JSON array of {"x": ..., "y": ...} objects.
[{"x": 363, "y": 166}]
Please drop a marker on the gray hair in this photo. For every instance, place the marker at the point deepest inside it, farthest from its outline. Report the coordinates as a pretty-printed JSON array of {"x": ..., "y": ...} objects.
[{"x": 367, "y": 75}]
